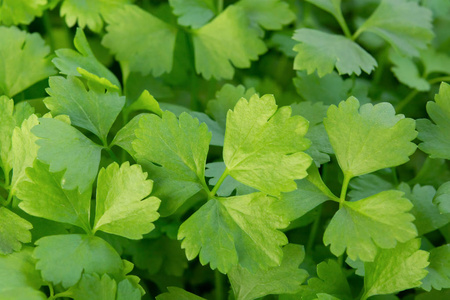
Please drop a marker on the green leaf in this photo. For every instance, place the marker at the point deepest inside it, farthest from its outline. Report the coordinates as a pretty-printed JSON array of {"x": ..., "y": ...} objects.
[
  {"x": 68, "y": 60},
  {"x": 436, "y": 137},
  {"x": 439, "y": 269},
  {"x": 403, "y": 24},
  {"x": 140, "y": 46},
  {"x": 407, "y": 72},
  {"x": 91, "y": 109},
  {"x": 13, "y": 231},
  {"x": 44, "y": 197},
  {"x": 177, "y": 293},
  {"x": 88, "y": 13},
  {"x": 215, "y": 170},
  {"x": 283, "y": 279},
  {"x": 263, "y": 145},
  {"x": 19, "y": 51},
  {"x": 435, "y": 62},
  {"x": 129, "y": 290},
  {"x": 427, "y": 215},
  {"x": 126, "y": 135},
  {"x": 194, "y": 13},
  {"x": 120, "y": 205},
  {"x": 240, "y": 230},
  {"x": 237, "y": 44},
  {"x": 174, "y": 153},
  {"x": 380, "y": 220},
  {"x": 6, "y": 131},
  {"x": 269, "y": 14},
  {"x": 93, "y": 287},
  {"x": 442, "y": 198},
  {"x": 369, "y": 138},
  {"x": 323, "y": 52},
  {"x": 395, "y": 270},
  {"x": 368, "y": 185},
  {"x": 63, "y": 258},
  {"x": 15, "y": 12},
  {"x": 145, "y": 102},
  {"x": 65, "y": 148},
  {"x": 19, "y": 279}
]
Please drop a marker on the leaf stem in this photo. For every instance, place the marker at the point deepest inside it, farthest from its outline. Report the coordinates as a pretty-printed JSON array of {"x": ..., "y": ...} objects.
[
  {"x": 357, "y": 33},
  {"x": 438, "y": 79},
  {"x": 219, "y": 183},
  {"x": 218, "y": 283},
  {"x": 8, "y": 200},
  {"x": 48, "y": 30},
  {"x": 219, "y": 6},
  {"x": 313, "y": 233},
  {"x": 399, "y": 107},
  {"x": 347, "y": 177},
  {"x": 340, "y": 18}
]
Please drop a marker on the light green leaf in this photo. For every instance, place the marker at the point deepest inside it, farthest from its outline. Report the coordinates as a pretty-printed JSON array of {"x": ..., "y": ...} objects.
[
  {"x": 177, "y": 293},
  {"x": 263, "y": 145},
  {"x": 269, "y": 14},
  {"x": 436, "y": 137},
  {"x": 435, "y": 62},
  {"x": 127, "y": 290},
  {"x": 403, "y": 24},
  {"x": 44, "y": 197},
  {"x": 331, "y": 6},
  {"x": 439, "y": 269},
  {"x": 395, "y": 270},
  {"x": 145, "y": 102},
  {"x": 68, "y": 60},
  {"x": 63, "y": 258},
  {"x": 91, "y": 109},
  {"x": 442, "y": 198},
  {"x": 6, "y": 131},
  {"x": 174, "y": 153},
  {"x": 194, "y": 13},
  {"x": 237, "y": 44},
  {"x": 13, "y": 231},
  {"x": 120, "y": 205},
  {"x": 380, "y": 220},
  {"x": 407, "y": 72},
  {"x": 283, "y": 279},
  {"x": 240, "y": 230},
  {"x": 145, "y": 56},
  {"x": 24, "y": 60},
  {"x": 323, "y": 52},
  {"x": 15, "y": 12},
  {"x": 65, "y": 148},
  {"x": 369, "y": 138},
  {"x": 126, "y": 135},
  {"x": 94, "y": 287}
]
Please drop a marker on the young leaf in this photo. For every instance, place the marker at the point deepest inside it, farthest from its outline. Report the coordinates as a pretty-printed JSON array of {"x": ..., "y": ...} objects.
[
  {"x": 15, "y": 12},
  {"x": 65, "y": 148},
  {"x": 237, "y": 44},
  {"x": 283, "y": 279},
  {"x": 442, "y": 198},
  {"x": 269, "y": 14},
  {"x": 13, "y": 231},
  {"x": 194, "y": 13},
  {"x": 91, "y": 109},
  {"x": 119, "y": 206},
  {"x": 177, "y": 293},
  {"x": 126, "y": 135},
  {"x": 407, "y": 72},
  {"x": 439, "y": 269},
  {"x": 263, "y": 145},
  {"x": 140, "y": 46},
  {"x": 6, "y": 131},
  {"x": 63, "y": 258},
  {"x": 94, "y": 287},
  {"x": 241, "y": 230},
  {"x": 174, "y": 152},
  {"x": 323, "y": 52},
  {"x": 44, "y": 197},
  {"x": 403, "y": 24},
  {"x": 369, "y": 138},
  {"x": 20, "y": 50},
  {"x": 380, "y": 220},
  {"x": 396, "y": 269},
  {"x": 436, "y": 137}
]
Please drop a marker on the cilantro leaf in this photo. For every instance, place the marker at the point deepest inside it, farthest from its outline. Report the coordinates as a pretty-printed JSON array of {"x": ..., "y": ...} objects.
[
  {"x": 396, "y": 269},
  {"x": 323, "y": 52},
  {"x": 20, "y": 50},
  {"x": 145, "y": 102},
  {"x": 44, "y": 197},
  {"x": 435, "y": 62},
  {"x": 13, "y": 231},
  {"x": 92, "y": 286},
  {"x": 283, "y": 279},
  {"x": 126, "y": 135},
  {"x": 57, "y": 142},
  {"x": 6, "y": 131},
  {"x": 240, "y": 230},
  {"x": 68, "y": 60},
  {"x": 269, "y": 14},
  {"x": 436, "y": 137},
  {"x": 407, "y": 72},
  {"x": 91, "y": 109},
  {"x": 194, "y": 13},
  {"x": 147, "y": 29},
  {"x": 119, "y": 209},
  {"x": 177, "y": 293},
  {"x": 369, "y": 138},
  {"x": 15, "y": 12},
  {"x": 439, "y": 269},
  {"x": 174, "y": 152},
  {"x": 215, "y": 170},
  {"x": 380, "y": 220},
  {"x": 403, "y": 24},
  {"x": 263, "y": 145},
  {"x": 63, "y": 258},
  {"x": 368, "y": 185},
  {"x": 442, "y": 198},
  {"x": 238, "y": 44}
]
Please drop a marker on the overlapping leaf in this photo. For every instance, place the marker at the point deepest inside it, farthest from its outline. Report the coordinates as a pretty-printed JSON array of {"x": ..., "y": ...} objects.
[
  {"x": 177, "y": 293},
  {"x": 439, "y": 269},
  {"x": 194, "y": 13},
  {"x": 269, "y": 14},
  {"x": 14, "y": 231},
  {"x": 15, "y": 12}
]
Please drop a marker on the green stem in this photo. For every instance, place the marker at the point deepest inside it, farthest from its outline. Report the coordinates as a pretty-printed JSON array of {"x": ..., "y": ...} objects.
[
  {"x": 364, "y": 296},
  {"x": 347, "y": 178},
  {"x": 394, "y": 176},
  {"x": 218, "y": 282},
  {"x": 219, "y": 183},
  {"x": 112, "y": 155},
  {"x": 8, "y": 200},
  {"x": 125, "y": 69},
  {"x": 340, "y": 18},
  {"x": 341, "y": 260},
  {"x": 399, "y": 107},
  {"x": 357, "y": 33},
  {"x": 219, "y": 6},
  {"x": 48, "y": 30},
  {"x": 439, "y": 79},
  {"x": 313, "y": 233}
]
